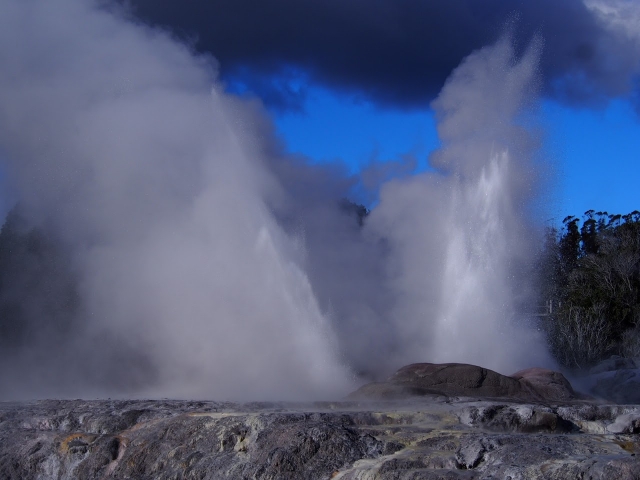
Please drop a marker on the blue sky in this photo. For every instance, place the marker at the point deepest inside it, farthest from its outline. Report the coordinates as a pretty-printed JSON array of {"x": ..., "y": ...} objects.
[
  {"x": 597, "y": 153},
  {"x": 355, "y": 131},
  {"x": 594, "y": 153}
]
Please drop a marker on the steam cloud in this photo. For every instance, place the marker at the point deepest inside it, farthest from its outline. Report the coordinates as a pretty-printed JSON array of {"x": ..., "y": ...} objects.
[
  {"x": 210, "y": 264},
  {"x": 460, "y": 236}
]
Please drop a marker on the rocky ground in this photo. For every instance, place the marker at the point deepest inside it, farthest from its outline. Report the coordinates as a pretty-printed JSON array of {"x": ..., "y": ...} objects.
[{"x": 426, "y": 422}]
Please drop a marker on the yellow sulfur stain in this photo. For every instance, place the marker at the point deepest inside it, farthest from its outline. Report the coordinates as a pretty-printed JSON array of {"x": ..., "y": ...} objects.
[{"x": 64, "y": 444}]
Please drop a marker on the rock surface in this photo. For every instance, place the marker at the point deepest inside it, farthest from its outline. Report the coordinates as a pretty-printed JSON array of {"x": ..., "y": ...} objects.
[
  {"x": 616, "y": 379},
  {"x": 453, "y": 422},
  {"x": 463, "y": 380},
  {"x": 612, "y": 363},
  {"x": 546, "y": 384},
  {"x": 346, "y": 440}
]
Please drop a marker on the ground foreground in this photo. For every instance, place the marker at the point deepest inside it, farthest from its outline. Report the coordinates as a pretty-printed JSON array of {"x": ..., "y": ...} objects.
[{"x": 430, "y": 435}]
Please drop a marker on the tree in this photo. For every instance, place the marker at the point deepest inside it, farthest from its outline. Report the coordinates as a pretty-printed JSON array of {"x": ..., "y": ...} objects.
[{"x": 592, "y": 274}]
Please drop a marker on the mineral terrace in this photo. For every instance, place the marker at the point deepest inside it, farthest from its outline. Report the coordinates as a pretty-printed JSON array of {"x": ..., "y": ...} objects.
[{"x": 427, "y": 421}]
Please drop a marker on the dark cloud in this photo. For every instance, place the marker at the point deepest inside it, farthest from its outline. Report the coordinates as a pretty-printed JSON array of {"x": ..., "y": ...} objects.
[{"x": 395, "y": 51}]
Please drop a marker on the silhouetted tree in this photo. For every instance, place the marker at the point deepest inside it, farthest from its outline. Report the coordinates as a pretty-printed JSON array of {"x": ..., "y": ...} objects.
[
  {"x": 592, "y": 275},
  {"x": 589, "y": 233}
]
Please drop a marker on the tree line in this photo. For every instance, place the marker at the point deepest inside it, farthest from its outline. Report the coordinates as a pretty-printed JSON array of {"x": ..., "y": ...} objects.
[{"x": 590, "y": 280}]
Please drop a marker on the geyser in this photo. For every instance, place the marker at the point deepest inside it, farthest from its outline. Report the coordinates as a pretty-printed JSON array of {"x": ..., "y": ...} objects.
[
  {"x": 461, "y": 236},
  {"x": 210, "y": 264},
  {"x": 121, "y": 148}
]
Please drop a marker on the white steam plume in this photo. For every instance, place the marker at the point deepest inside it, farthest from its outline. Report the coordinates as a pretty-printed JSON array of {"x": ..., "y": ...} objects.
[
  {"x": 210, "y": 264},
  {"x": 619, "y": 16},
  {"x": 461, "y": 237},
  {"x": 118, "y": 143}
]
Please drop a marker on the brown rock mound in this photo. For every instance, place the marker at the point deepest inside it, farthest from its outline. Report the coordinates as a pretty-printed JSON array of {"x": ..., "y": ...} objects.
[
  {"x": 464, "y": 380},
  {"x": 547, "y": 384}
]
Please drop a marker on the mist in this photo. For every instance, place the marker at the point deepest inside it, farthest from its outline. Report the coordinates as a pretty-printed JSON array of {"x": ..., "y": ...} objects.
[
  {"x": 208, "y": 263},
  {"x": 461, "y": 237}
]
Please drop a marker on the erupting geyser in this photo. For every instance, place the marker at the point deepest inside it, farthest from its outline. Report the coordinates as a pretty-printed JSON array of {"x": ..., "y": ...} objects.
[
  {"x": 461, "y": 235},
  {"x": 209, "y": 263},
  {"x": 122, "y": 146}
]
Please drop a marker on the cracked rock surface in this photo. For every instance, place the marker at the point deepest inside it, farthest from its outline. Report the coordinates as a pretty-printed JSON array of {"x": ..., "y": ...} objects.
[{"x": 427, "y": 438}]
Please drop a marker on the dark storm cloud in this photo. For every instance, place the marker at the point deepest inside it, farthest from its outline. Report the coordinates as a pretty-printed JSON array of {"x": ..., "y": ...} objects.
[{"x": 395, "y": 51}]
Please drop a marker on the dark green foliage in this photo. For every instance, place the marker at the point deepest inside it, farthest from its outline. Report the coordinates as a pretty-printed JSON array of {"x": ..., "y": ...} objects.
[
  {"x": 589, "y": 233},
  {"x": 570, "y": 244},
  {"x": 591, "y": 277}
]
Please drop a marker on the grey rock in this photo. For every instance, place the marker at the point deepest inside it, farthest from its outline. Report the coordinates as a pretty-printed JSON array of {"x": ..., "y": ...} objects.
[
  {"x": 190, "y": 440},
  {"x": 620, "y": 386},
  {"x": 613, "y": 363},
  {"x": 472, "y": 452},
  {"x": 549, "y": 457},
  {"x": 616, "y": 379},
  {"x": 626, "y": 423},
  {"x": 516, "y": 418},
  {"x": 426, "y": 439}
]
